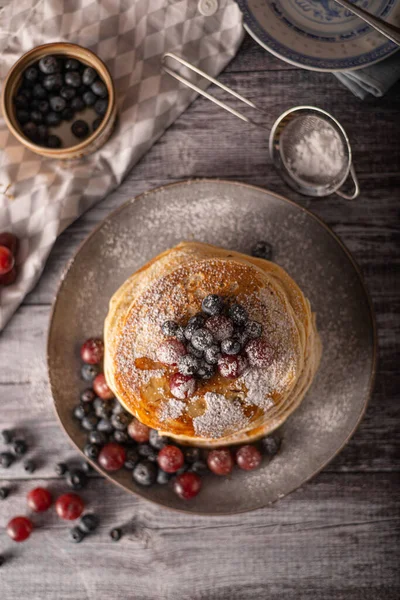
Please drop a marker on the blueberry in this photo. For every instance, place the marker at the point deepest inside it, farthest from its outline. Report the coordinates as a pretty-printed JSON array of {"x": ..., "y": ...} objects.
[
  {"x": 253, "y": 330},
  {"x": 89, "y": 372},
  {"x": 120, "y": 421},
  {"x": 238, "y": 314},
  {"x": 199, "y": 467},
  {"x": 145, "y": 473},
  {"x": 88, "y": 76},
  {"x": 89, "y": 422},
  {"x": 81, "y": 410},
  {"x": 206, "y": 371},
  {"x": 36, "y": 117},
  {"x": 53, "y": 82},
  {"x": 230, "y": 346},
  {"x": 202, "y": 339},
  {"x": 88, "y": 395},
  {"x": 86, "y": 467},
  {"x": 77, "y": 104},
  {"x": 162, "y": 477},
  {"x": 117, "y": 407},
  {"x": 39, "y": 91},
  {"x": 89, "y": 98},
  {"x": 89, "y": 523},
  {"x": 76, "y": 534},
  {"x": 121, "y": 437},
  {"x": 31, "y": 74},
  {"x": 212, "y": 354},
  {"x": 82, "y": 90},
  {"x": 191, "y": 454},
  {"x": 49, "y": 65},
  {"x": 20, "y": 447},
  {"x": 30, "y": 130},
  {"x": 169, "y": 328},
  {"x": 99, "y": 89},
  {"x": 212, "y": 305},
  {"x": 76, "y": 479},
  {"x": 80, "y": 129},
  {"x": 147, "y": 451},
  {"x": 20, "y": 101},
  {"x": 270, "y": 445},
  {"x": 4, "y": 492},
  {"x": 53, "y": 119},
  {"x": 22, "y": 116},
  {"x": 57, "y": 103},
  {"x": 116, "y": 534},
  {"x": 196, "y": 322},
  {"x": 25, "y": 91},
  {"x": 6, "y": 459},
  {"x": 96, "y": 123},
  {"x": 262, "y": 250},
  {"x": 188, "y": 365},
  {"x": 156, "y": 440},
  {"x": 71, "y": 64},
  {"x": 132, "y": 458},
  {"x": 105, "y": 426},
  {"x": 67, "y": 92},
  {"x": 67, "y": 114},
  {"x": 6, "y": 436},
  {"x": 99, "y": 438},
  {"x": 195, "y": 351},
  {"x": 102, "y": 408},
  {"x": 101, "y": 107},
  {"x": 44, "y": 107},
  {"x": 53, "y": 141},
  {"x": 2, "y": 560},
  {"x": 61, "y": 469},
  {"x": 91, "y": 450},
  {"x": 73, "y": 79},
  {"x": 29, "y": 466}
]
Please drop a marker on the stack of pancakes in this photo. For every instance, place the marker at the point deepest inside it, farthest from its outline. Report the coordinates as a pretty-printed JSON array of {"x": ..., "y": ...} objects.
[{"x": 222, "y": 411}]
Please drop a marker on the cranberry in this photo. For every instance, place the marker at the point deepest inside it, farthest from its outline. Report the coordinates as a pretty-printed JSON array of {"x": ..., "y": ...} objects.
[
  {"x": 248, "y": 458},
  {"x": 220, "y": 461},
  {"x": 138, "y": 431},
  {"x": 10, "y": 241},
  {"x": 170, "y": 459},
  {"x": 101, "y": 388},
  {"x": 19, "y": 528},
  {"x": 259, "y": 353},
  {"x": 182, "y": 386},
  {"x": 7, "y": 260},
  {"x": 187, "y": 485},
  {"x": 230, "y": 366},
  {"x": 220, "y": 326},
  {"x": 170, "y": 352},
  {"x": 39, "y": 499},
  {"x": 112, "y": 457},
  {"x": 69, "y": 506},
  {"x": 9, "y": 278},
  {"x": 92, "y": 351}
]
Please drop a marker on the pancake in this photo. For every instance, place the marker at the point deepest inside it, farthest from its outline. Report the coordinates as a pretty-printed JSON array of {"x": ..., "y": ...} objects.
[{"x": 221, "y": 411}]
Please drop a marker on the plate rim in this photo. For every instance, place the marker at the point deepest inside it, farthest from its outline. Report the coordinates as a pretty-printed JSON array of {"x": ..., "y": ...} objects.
[
  {"x": 200, "y": 181},
  {"x": 297, "y": 63}
]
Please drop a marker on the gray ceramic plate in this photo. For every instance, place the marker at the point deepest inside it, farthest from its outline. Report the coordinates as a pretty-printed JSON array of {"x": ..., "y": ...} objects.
[{"x": 234, "y": 216}]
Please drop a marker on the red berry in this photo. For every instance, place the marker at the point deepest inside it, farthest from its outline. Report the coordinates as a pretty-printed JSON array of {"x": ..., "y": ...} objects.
[
  {"x": 259, "y": 353},
  {"x": 170, "y": 351},
  {"x": 19, "y": 528},
  {"x": 39, "y": 499},
  {"x": 10, "y": 241},
  {"x": 230, "y": 366},
  {"x": 69, "y": 506},
  {"x": 92, "y": 351},
  {"x": 7, "y": 260},
  {"x": 182, "y": 386},
  {"x": 220, "y": 326},
  {"x": 170, "y": 459},
  {"x": 101, "y": 388},
  {"x": 248, "y": 458},
  {"x": 220, "y": 461},
  {"x": 9, "y": 278},
  {"x": 138, "y": 432},
  {"x": 187, "y": 485},
  {"x": 112, "y": 456}
]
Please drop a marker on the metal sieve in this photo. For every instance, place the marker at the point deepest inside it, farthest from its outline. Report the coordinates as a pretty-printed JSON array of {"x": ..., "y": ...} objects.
[{"x": 292, "y": 128}]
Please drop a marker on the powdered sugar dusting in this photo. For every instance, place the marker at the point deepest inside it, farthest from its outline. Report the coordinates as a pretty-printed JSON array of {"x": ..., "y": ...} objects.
[
  {"x": 172, "y": 409},
  {"x": 221, "y": 417}
]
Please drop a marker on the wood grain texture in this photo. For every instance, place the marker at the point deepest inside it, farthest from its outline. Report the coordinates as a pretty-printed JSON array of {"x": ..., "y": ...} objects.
[{"x": 338, "y": 536}]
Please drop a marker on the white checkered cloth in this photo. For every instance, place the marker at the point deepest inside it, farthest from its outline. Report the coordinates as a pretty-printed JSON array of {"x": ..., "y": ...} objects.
[{"x": 40, "y": 197}]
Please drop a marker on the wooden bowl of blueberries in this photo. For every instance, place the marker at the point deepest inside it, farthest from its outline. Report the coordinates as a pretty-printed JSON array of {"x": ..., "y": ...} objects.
[{"x": 59, "y": 101}]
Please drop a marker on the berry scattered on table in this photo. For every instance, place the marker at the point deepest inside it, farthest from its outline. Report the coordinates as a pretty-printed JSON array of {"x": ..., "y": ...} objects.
[
  {"x": 220, "y": 461},
  {"x": 39, "y": 499},
  {"x": 2, "y": 560},
  {"x": 89, "y": 523},
  {"x": 7, "y": 436},
  {"x": 19, "y": 447},
  {"x": 116, "y": 534},
  {"x": 76, "y": 479},
  {"x": 4, "y": 492},
  {"x": 6, "y": 459},
  {"x": 19, "y": 528},
  {"x": 77, "y": 534},
  {"x": 29, "y": 466},
  {"x": 187, "y": 485},
  {"x": 61, "y": 469},
  {"x": 69, "y": 506}
]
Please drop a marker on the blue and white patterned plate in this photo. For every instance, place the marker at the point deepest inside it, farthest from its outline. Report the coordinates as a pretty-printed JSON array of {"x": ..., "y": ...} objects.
[{"x": 319, "y": 34}]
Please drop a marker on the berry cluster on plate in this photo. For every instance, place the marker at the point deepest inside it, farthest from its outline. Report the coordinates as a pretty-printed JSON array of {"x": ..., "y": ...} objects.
[
  {"x": 53, "y": 90},
  {"x": 116, "y": 440}
]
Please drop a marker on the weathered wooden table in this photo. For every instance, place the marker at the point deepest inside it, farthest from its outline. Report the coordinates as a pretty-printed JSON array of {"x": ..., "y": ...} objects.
[{"x": 338, "y": 536}]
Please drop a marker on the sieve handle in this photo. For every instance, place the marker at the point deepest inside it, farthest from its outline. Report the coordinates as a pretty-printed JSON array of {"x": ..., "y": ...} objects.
[
  {"x": 356, "y": 186},
  {"x": 197, "y": 89}
]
